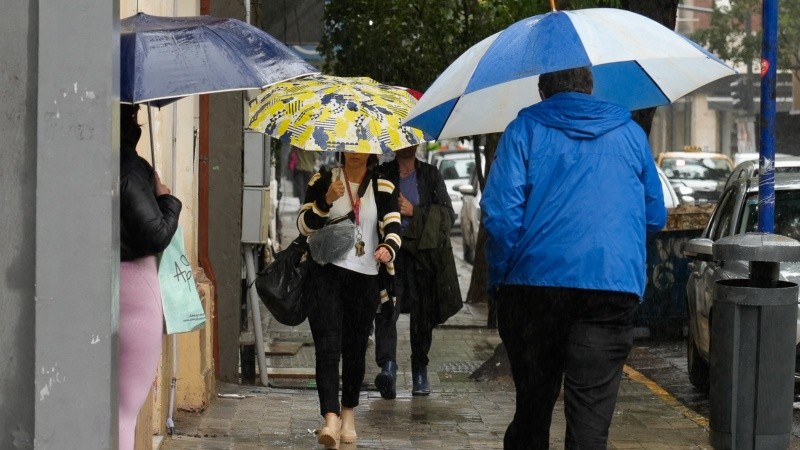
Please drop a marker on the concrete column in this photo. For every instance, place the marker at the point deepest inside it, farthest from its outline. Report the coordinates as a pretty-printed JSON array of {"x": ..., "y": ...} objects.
[
  {"x": 18, "y": 77},
  {"x": 77, "y": 225},
  {"x": 225, "y": 204}
]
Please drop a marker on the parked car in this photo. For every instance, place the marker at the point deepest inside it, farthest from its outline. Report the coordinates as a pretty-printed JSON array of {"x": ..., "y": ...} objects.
[
  {"x": 445, "y": 146},
  {"x": 671, "y": 199},
  {"x": 470, "y": 217},
  {"x": 471, "y": 211},
  {"x": 704, "y": 173},
  {"x": 741, "y": 157},
  {"x": 736, "y": 213},
  {"x": 750, "y": 168},
  {"x": 456, "y": 169}
]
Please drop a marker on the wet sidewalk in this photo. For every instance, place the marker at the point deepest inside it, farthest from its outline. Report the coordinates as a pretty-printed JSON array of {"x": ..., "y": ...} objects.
[{"x": 459, "y": 414}]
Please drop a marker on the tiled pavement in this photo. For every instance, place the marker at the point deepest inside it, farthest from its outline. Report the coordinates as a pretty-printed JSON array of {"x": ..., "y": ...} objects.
[{"x": 459, "y": 414}]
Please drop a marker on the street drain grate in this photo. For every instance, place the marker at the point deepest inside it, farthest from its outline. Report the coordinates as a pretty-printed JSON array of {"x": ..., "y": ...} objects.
[{"x": 460, "y": 366}]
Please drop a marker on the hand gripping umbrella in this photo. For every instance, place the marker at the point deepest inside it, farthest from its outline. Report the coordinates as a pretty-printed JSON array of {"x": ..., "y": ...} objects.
[{"x": 636, "y": 62}]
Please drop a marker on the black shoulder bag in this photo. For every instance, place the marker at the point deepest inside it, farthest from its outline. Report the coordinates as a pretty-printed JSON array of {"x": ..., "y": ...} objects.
[{"x": 280, "y": 285}]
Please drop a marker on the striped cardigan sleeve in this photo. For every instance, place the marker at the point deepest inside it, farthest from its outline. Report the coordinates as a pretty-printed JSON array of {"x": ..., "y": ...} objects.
[
  {"x": 314, "y": 211},
  {"x": 388, "y": 215}
]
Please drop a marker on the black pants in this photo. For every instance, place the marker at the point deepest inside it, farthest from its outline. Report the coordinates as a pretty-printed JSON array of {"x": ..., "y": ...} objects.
[
  {"x": 344, "y": 304},
  {"x": 582, "y": 336},
  {"x": 407, "y": 292}
]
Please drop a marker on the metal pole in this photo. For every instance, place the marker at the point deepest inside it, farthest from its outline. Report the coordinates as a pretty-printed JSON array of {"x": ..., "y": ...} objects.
[
  {"x": 150, "y": 129},
  {"x": 766, "y": 180},
  {"x": 173, "y": 385},
  {"x": 255, "y": 313}
]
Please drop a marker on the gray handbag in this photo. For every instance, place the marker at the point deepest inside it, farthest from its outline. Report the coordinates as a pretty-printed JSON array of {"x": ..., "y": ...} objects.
[{"x": 333, "y": 241}]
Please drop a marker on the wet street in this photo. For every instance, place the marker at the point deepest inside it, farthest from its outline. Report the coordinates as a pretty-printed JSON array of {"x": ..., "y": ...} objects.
[
  {"x": 657, "y": 406},
  {"x": 664, "y": 362}
]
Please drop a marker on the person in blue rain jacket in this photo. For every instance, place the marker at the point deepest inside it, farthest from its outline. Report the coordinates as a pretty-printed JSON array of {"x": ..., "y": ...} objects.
[{"x": 571, "y": 196}]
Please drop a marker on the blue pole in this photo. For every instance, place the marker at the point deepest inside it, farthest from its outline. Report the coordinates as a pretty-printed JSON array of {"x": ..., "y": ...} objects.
[{"x": 766, "y": 181}]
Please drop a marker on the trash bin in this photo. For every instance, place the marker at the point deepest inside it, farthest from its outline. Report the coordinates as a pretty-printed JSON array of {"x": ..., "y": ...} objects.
[
  {"x": 752, "y": 354},
  {"x": 663, "y": 307}
]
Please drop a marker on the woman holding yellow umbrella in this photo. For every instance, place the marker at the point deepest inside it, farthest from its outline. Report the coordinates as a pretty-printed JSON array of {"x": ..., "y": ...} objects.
[
  {"x": 359, "y": 118},
  {"x": 345, "y": 293}
]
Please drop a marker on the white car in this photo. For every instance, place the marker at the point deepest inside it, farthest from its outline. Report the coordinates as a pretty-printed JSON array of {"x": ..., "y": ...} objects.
[
  {"x": 456, "y": 169},
  {"x": 670, "y": 196},
  {"x": 470, "y": 217}
]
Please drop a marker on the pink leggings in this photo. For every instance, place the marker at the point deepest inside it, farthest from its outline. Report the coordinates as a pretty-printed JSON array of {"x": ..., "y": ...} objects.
[{"x": 140, "y": 334}]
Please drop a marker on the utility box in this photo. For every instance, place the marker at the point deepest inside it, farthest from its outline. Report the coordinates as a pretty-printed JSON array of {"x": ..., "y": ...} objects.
[
  {"x": 257, "y": 157},
  {"x": 256, "y": 208},
  {"x": 255, "y": 215}
]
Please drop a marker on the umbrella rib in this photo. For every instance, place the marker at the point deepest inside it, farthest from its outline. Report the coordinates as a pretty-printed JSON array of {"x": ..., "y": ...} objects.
[
  {"x": 653, "y": 81},
  {"x": 221, "y": 38}
]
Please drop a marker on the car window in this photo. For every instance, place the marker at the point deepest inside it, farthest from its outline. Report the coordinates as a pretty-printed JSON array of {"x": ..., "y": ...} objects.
[
  {"x": 749, "y": 214},
  {"x": 722, "y": 225},
  {"x": 696, "y": 169},
  {"x": 455, "y": 169},
  {"x": 787, "y": 213}
]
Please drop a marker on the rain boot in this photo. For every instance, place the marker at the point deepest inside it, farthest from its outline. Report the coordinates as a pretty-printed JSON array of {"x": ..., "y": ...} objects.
[
  {"x": 386, "y": 380},
  {"x": 420, "y": 380}
]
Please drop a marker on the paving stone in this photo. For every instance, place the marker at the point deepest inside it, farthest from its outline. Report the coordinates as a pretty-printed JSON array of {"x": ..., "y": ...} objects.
[{"x": 459, "y": 413}]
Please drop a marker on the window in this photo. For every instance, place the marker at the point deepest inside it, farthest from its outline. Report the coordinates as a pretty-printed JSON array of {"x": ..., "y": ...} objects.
[
  {"x": 722, "y": 225},
  {"x": 696, "y": 169},
  {"x": 454, "y": 169},
  {"x": 787, "y": 213}
]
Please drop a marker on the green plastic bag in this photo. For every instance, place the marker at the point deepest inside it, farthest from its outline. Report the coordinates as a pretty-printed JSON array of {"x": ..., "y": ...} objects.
[{"x": 183, "y": 310}]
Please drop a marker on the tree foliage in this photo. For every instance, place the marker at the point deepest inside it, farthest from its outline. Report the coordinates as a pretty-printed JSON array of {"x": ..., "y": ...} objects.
[
  {"x": 733, "y": 39},
  {"x": 410, "y": 42}
]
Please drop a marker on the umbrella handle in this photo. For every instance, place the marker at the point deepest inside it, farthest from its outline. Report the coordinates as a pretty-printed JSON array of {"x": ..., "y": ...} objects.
[{"x": 150, "y": 130}]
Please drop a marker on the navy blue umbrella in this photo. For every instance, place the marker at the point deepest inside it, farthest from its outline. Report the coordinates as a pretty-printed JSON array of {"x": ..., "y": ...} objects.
[{"x": 165, "y": 58}]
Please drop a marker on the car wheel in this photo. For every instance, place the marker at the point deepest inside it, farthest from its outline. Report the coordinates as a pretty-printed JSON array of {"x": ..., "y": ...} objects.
[{"x": 698, "y": 367}]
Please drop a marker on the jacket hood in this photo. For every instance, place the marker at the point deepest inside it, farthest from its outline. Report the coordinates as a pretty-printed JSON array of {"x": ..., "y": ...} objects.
[{"x": 579, "y": 116}]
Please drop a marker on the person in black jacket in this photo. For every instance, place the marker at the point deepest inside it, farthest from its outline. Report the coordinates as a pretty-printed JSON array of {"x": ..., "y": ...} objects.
[
  {"x": 148, "y": 219},
  {"x": 345, "y": 293},
  {"x": 421, "y": 189}
]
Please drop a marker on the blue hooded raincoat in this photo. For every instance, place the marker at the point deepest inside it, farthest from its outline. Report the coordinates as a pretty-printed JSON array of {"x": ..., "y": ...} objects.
[{"x": 571, "y": 195}]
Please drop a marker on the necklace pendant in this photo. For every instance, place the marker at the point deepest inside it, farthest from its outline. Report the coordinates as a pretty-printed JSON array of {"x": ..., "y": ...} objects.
[{"x": 360, "y": 248}]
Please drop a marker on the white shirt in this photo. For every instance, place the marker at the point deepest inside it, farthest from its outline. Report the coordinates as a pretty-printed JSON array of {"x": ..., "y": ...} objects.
[{"x": 368, "y": 226}]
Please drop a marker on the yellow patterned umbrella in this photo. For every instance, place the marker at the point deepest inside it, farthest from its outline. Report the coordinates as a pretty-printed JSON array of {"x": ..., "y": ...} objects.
[{"x": 326, "y": 113}]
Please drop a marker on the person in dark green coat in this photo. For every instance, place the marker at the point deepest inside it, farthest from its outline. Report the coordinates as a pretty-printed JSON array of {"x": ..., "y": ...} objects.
[{"x": 426, "y": 282}]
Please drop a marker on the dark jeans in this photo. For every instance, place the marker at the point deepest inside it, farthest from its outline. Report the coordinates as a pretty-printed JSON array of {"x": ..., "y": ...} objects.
[
  {"x": 386, "y": 339},
  {"x": 343, "y": 306},
  {"x": 582, "y": 336},
  {"x": 406, "y": 290}
]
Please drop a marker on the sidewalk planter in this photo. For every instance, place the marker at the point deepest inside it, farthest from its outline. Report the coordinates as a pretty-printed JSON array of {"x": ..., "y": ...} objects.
[
  {"x": 752, "y": 352},
  {"x": 663, "y": 307}
]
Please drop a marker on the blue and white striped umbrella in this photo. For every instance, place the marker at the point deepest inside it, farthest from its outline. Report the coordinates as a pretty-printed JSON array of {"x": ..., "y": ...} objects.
[{"x": 636, "y": 62}]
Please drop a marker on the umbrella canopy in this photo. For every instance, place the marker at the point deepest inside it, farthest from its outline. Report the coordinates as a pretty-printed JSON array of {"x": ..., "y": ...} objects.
[
  {"x": 636, "y": 62},
  {"x": 165, "y": 58},
  {"x": 326, "y": 113}
]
